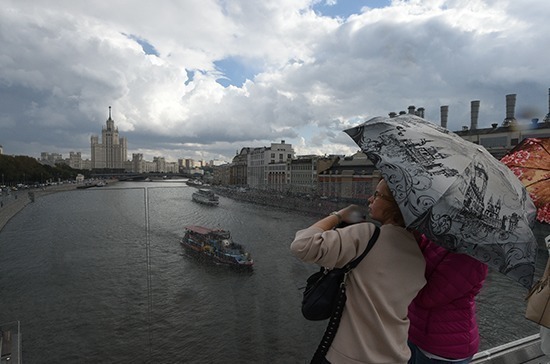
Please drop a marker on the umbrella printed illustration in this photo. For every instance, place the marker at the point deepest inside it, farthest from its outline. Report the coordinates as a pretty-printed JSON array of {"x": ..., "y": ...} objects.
[
  {"x": 530, "y": 162},
  {"x": 454, "y": 191}
]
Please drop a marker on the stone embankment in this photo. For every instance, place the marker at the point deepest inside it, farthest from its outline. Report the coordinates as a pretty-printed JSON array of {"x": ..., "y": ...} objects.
[
  {"x": 311, "y": 205},
  {"x": 15, "y": 201}
]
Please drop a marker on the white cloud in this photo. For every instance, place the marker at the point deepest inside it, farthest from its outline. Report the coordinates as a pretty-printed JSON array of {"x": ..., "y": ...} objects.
[{"x": 63, "y": 63}]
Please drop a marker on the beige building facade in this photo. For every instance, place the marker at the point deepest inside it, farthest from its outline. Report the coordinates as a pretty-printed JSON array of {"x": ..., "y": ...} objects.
[{"x": 112, "y": 151}]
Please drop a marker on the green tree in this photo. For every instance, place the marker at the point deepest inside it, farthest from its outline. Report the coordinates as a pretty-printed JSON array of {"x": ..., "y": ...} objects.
[{"x": 24, "y": 169}]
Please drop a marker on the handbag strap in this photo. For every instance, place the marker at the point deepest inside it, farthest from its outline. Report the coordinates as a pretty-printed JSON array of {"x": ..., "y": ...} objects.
[
  {"x": 334, "y": 320},
  {"x": 357, "y": 260}
]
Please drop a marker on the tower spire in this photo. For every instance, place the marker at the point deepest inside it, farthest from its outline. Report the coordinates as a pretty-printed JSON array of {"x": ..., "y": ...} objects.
[{"x": 109, "y": 112}]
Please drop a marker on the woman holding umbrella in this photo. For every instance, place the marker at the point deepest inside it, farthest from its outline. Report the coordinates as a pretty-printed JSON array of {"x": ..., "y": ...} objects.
[{"x": 374, "y": 324}]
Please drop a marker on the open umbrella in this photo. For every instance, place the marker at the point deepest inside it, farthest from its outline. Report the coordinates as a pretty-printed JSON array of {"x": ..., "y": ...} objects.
[
  {"x": 530, "y": 162},
  {"x": 454, "y": 191}
]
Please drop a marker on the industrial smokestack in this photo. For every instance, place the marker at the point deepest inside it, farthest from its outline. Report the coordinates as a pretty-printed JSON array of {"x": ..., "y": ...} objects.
[
  {"x": 474, "y": 113},
  {"x": 547, "y": 117},
  {"x": 510, "y": 110},
  {"x": 444, "y": 115}
]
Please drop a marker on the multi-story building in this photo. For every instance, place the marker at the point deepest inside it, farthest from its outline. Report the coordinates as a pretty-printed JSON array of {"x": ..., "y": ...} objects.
[
  {"x": 500, "y": 139},
  {"x": 75, "y": 160},
  {"x": 112, "y": 152},
  {"x": 255, "y": 167},
  {"x": 352, "y": 178},
  {"x": 138, "y": 163},
  {"x": 238, "y": 168},
  {"x": 86, "y": 164},
  {"x": 51, "y": 158},
  {"x": 221, "y": 175},
  {"x": 267, "y": 167},
  {"x": 304, "y": 171},
  {"x": 189, "y": 165},
  {"x": 160, "y": 164}
]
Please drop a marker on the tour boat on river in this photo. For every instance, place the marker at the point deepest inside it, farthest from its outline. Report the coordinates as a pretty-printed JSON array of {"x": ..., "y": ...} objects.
[
  {"x": 206, "y": 197},
  {"x": 215, "y": 245}
]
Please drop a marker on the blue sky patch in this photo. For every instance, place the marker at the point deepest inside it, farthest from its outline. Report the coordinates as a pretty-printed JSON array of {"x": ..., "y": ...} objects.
[
  {"x": 147, "y": 47},
  {"x": 345, "y": 8},
  {"x": 236, "y": 72}
]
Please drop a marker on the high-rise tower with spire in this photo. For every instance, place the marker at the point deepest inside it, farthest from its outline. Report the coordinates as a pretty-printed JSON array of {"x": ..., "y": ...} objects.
[{"x": 112, "y": 152}]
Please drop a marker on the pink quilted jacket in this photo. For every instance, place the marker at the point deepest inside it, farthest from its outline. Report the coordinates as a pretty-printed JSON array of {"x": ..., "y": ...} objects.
[{"x": 442, "y": 316}]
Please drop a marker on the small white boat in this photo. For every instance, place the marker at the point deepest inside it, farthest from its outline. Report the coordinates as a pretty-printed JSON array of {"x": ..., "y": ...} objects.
[{"x": 206, "y": 197}]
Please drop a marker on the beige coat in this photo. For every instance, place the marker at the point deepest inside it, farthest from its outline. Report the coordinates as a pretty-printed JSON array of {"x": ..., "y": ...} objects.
[{"x": 374, "y": 324}]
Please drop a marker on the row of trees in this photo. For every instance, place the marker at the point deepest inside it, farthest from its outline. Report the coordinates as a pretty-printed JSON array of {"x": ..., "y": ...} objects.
[{"x": 27, "y": 170}]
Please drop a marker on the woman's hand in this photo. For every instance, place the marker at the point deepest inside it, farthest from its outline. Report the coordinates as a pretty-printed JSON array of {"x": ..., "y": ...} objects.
[
  {"x": 351, "y": 215},
  {"x": 346, "y": 216}
]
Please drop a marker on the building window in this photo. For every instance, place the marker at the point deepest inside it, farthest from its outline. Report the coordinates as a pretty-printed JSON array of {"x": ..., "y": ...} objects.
[{"x": 514, "y": 141}]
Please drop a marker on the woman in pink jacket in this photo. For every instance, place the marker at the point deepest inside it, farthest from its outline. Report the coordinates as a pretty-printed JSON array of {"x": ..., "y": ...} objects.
[{"x": 443, "y": 315}]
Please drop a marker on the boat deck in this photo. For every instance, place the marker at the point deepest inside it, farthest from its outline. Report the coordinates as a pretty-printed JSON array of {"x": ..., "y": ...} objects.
[{"x": 523, "y": 351}]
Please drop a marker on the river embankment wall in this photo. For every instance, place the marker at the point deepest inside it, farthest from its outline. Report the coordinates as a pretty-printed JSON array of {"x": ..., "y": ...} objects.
[
  {"x": 310, "y": 205},
  {"x": 13, "y": 202}
]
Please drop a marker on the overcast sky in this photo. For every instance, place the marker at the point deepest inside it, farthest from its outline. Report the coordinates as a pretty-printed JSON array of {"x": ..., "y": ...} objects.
[{"x": 202, "y": 79}]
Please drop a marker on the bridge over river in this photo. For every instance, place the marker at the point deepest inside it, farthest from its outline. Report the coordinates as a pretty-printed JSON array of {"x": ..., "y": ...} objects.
[{"x": 154, "y": 176}]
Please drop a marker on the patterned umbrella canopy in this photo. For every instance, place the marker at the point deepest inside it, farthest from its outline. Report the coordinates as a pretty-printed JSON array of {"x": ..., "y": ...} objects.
[
  {"x": 454, "y": 191},
  {"x": 530, "y": 162}
]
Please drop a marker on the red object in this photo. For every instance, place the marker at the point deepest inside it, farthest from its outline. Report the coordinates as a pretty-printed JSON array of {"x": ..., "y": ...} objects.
[{"x": 530, "y": 162}]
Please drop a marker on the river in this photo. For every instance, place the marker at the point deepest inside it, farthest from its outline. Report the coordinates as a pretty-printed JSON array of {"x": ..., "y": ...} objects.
[{"x": 98, "y": 275}]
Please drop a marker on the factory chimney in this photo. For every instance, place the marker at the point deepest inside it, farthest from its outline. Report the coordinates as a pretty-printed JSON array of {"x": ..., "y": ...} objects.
[
  {"x": 474, "y": 113},
  {"x": 444, "y": 115},
  {"x": 547, "y": 117},
  {"x": 510, "y": 110}
]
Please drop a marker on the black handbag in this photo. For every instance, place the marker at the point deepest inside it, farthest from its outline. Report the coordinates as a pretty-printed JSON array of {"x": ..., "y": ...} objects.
[{"x": 324, "y": 288}]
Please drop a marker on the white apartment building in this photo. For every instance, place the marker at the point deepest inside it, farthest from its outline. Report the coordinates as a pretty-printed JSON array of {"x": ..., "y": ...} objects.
[
  {"x": 75, "y": 160},
  {"x": 51, "y": 159},
  {"x": 268, "y": 167}
]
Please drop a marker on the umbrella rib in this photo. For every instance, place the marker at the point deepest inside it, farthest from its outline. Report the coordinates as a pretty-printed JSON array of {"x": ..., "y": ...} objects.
[
  {"x": 543, "y": 147},
  {"x": 539, "y": 181}
]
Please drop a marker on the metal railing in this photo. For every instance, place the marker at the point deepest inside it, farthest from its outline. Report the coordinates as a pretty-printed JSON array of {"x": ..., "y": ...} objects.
[{"x": 10, "y": 343}]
